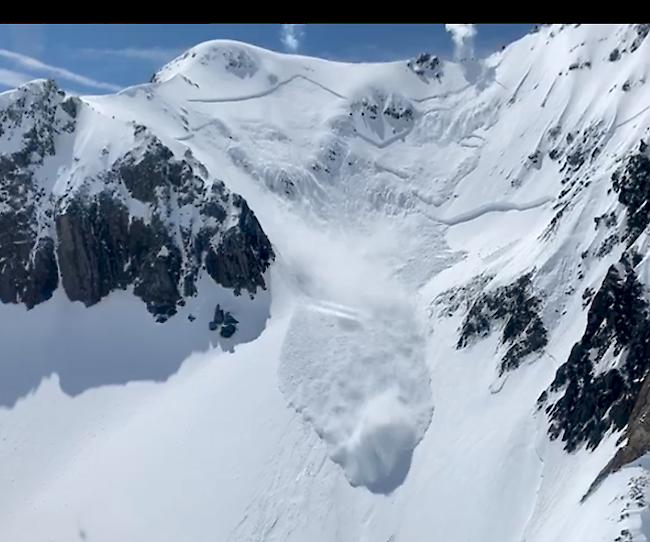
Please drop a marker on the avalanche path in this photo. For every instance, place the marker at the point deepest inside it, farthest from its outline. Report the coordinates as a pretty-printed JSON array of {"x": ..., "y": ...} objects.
[{"x": 359, "y": 377}]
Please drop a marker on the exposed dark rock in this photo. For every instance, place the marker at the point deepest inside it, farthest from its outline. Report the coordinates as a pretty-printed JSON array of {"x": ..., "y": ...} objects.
[
  {"x": 218, "y": 315},
  {"x": 224, "y": 321},
  {"x": 516, "y": 307},
  {"x": 228, "y": 330},
  {"x": 641, "y": 33},
  {"x": 158, "y": 276},
  {"x": 457, "y": 297},
  {"x": 93, "y": 248},
  {"x": 607, "y": 220},
  {"x": 426, "y": 65},
  {"x": 607, "y": 245},
  {"x": 590, "y": 404},
  {"x": 633, "y": 187},
  {"x": 579, "y": 65},
  {"x": 230, "y": 319},
  {"x": 71, "y": 106},
  {"x": 243, "y": 254},
  {"x": 636, "y": 436},
  {"x": 143, "y": 176},
  {"x": 100, "y": 246},
  {"x": 535, "y": 159},
  {"x": 28, "y": 267},
  {"x": 614, "y": 55}
]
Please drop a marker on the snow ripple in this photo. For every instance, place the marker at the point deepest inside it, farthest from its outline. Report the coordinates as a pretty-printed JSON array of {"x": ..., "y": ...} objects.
[{"x": 359, "y": 377}]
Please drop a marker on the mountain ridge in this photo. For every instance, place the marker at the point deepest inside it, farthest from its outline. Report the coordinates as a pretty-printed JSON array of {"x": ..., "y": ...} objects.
[{"x": 438, "y": 271}]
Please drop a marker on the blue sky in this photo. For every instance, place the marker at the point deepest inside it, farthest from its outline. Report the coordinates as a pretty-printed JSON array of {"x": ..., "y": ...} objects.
[{"x": 91, "y": 59}]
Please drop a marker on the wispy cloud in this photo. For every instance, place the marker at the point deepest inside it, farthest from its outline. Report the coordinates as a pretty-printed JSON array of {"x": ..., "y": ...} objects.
[
  {"x": 10, "y": 78},
  {"x": 292, "y": 35},
  {"x": 157, "y": 55},
  {"x": 37, "y": 66},
  {"x": 463, "y": 37}
]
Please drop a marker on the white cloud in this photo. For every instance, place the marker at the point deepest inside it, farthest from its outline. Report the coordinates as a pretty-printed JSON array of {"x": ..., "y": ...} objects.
[
  {"x": 291, "y": 36},
  {"x": 37, "y": 66},
  {"x": 10, "y": 78},
  {"x": 158, "y": 55},
  {"x": 463, "y": 37}
]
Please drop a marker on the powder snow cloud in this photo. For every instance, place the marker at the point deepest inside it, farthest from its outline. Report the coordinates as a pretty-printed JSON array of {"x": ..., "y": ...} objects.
[{"x": 463, "y": 37}]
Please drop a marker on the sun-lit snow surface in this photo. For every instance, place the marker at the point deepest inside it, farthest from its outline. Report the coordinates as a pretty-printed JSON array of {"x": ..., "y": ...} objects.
[
  {"x": 362, "y": 381},
  {"x": 352, "y": 416}
]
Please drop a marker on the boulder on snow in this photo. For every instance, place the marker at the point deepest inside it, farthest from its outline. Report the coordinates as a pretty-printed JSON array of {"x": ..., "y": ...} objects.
[
  {"x": 228, "y": 331},
  {"x": 426, "y": 65}
]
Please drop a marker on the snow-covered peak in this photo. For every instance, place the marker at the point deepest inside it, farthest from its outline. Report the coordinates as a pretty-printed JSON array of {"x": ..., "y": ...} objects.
[
  {"x": 225, "y": 69},
  {"x": 455, "y": 333},
  {"x": 223, "y": 58}
]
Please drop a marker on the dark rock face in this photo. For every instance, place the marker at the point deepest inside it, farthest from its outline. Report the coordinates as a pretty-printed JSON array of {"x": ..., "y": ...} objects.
[
  {"x": 90, "y": 236},
  {"x": 241, "y": 258},
  {"x": 459, "y": 297},
  {"x": 617, "y": 324},
  {"x": 156, "y": 267},
  {"x": 218, "y": 315},
  {"x": 637, "y": 436},
  {"x": 28, "y": 268},
  {"x": 579, "y": 65},
  {"x": 642, "y": 31},
  {"x": 228, "y": 330},
  {"x": 517, "y": 308},
  {"x": 426, "y": 65},
  {"x": 92, "y": 249},
  {"x": 102, "y": 248},
  {"x": 633, "y": 187},
  {"x": 615, "y": 55},
  {"x": 224, "y": 321}
]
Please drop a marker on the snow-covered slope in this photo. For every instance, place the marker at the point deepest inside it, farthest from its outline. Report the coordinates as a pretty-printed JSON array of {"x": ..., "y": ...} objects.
[{"x": 447, "y": 333}]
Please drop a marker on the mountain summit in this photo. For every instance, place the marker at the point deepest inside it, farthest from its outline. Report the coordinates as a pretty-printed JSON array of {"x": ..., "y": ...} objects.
[{"x": 277, "y": 298}]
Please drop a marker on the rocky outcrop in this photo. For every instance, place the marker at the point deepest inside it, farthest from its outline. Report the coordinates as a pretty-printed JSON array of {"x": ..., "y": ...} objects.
[
  {"x": 92, "y": 248},
  {"x": 36, "y": 116},
  {"x": 632, "y": 184},
  {"x": 517, "y": 309},
  {"x": 223, "y": 321},
  {"x": 151, "y": 221},
  {"x": 102, "y": 247},
  {"x": 641, "y": 31},
  {"x": 636, "y": 436},
  {"x": 587, "y": 402},
  {"x": 427, "y": 66},
  {"x": 240, "y": 259}
]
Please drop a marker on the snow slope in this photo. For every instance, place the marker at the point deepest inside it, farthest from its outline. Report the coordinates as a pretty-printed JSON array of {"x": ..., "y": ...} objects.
[{"x": 393, "y": 200}]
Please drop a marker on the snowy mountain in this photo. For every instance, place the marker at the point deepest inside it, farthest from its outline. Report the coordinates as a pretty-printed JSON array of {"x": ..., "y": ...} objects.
[{"x": 267, "y": 297}]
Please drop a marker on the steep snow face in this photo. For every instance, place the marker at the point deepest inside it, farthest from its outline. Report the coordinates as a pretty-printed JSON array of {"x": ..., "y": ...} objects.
[{"x": 458, "y": 307}]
